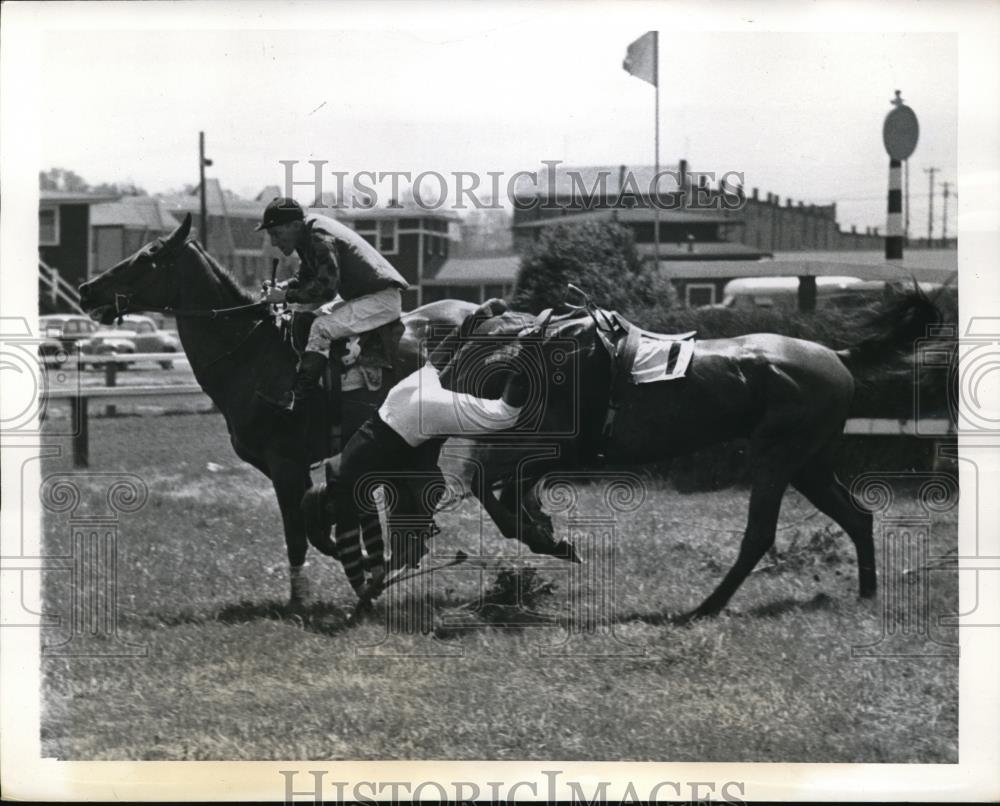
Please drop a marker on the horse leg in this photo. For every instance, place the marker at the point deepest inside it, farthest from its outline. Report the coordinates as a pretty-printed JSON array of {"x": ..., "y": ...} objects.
[
  {"x": 820, "y": 485},
  {"x": 768, "y": 488},
  {"x": 538, "y": 538},
  {"x": 523, "y": 496},
  {"x": 290, "y": 484}
]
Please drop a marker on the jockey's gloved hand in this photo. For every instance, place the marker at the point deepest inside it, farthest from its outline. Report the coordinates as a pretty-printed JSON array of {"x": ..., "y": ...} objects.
[
  {"x": 449, "y": 345},
  {"x": 527, "y": 362},
  {"x": 518, "y": 389}
]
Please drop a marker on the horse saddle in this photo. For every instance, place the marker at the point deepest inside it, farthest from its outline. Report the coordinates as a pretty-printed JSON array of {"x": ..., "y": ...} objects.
[{"x": 637, "y": 356}]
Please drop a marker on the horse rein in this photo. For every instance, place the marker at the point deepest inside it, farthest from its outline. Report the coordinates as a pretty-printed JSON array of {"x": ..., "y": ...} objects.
[{"x": 123, "y": 301}]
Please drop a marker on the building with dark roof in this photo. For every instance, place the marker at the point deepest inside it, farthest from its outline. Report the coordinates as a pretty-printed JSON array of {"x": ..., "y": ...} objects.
[
  {"x": 64, "y": 246},
  {"x": 232, "y": 239},
  {"x": 475, "y": 279},
  {"x": 120, "y": 228},
  {"x": 415, "y": 240}
]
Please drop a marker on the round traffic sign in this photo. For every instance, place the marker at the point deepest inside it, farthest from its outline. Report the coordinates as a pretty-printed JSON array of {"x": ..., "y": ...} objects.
[{"x": 900, "y": 131}]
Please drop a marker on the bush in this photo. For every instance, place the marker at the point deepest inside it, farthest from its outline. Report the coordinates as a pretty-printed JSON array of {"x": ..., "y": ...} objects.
[{"x": 600, "y": 258}]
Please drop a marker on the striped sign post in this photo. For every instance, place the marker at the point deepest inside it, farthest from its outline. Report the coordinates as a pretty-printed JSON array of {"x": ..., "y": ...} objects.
[
  {"x": 899, "y": 134},
  {"x": 894, "y": 222}
]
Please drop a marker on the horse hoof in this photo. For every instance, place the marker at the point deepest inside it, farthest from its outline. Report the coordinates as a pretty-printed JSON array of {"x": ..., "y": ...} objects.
[
  {"x": 363, "y": 610},
  {"x": 688, "y": 619}
]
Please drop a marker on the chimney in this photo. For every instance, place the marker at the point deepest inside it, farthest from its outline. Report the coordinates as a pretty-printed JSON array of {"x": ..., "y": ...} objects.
[
  {"x": 788, "y": 202},
  {"x": 854, "y": 229},
  {"x": 755, "y": 195},
  {"x": 683, "y": 173},
  {"x": 802, "y": 204},
  {"x": 621, "y": 177}
]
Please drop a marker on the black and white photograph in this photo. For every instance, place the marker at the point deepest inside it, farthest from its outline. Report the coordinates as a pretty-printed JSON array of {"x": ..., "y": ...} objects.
[{"x": 505, "y": 401}]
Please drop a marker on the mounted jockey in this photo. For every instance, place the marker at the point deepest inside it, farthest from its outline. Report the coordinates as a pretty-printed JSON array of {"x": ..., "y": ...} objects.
[{"x": 333, "y": 259}]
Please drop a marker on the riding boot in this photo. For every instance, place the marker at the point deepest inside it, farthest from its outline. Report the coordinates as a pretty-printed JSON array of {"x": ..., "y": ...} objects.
[{"x": 307, "y": 376}]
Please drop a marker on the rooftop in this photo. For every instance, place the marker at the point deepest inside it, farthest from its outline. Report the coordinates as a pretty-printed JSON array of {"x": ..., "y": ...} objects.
[
  {"x": 408, "y": 211},
  {"x": 636, "y": 216},
  {"x": 474, "y": 270},
  {"x": 935, "y": 266},
  {"x": 133, "y": 212},
  {"x": 702, "y": 250},
  {"x": 73, "y": 197},
  {"x": 586, "y": 180},
  {"x": 217, "y": 201}
]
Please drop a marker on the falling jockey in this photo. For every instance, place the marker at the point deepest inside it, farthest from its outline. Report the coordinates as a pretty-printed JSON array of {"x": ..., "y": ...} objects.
[
  {"x": 333, "y": 259},
  {"x": 416, "y": 411}
]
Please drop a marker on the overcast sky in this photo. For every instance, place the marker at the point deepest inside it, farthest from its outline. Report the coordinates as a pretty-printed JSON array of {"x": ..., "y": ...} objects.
[{"x": 800, "y": 114}]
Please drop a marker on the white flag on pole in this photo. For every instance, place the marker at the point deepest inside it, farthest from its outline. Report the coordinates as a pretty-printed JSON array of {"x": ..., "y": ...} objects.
[{"x": 641, "y": 57}]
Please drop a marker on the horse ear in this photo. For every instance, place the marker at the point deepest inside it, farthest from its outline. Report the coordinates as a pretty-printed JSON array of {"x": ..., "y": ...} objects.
[{"x": 179, "y": 235}]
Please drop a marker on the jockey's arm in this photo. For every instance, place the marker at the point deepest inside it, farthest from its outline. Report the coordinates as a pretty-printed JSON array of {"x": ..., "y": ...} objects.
[{"x": 322, "y": 284}]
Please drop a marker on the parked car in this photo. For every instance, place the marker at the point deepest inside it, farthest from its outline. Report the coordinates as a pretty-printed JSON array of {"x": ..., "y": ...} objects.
[
  {"x": 69, "y": 328},
  {"x": 103, "y": 344},
  {"x": 832, "y": 292},
  {"x": 134, "y": 334},
  {"x": 51, "y": 352},
  {"x": 783, "y": 292}
]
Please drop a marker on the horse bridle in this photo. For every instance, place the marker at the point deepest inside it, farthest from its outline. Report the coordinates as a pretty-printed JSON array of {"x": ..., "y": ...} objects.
[
  {"x": 122, "y": 304},
  {"x": 121, "y": 308}
]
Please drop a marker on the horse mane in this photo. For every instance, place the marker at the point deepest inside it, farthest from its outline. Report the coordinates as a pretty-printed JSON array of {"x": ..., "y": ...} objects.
[{"x": 224, "y": 275}]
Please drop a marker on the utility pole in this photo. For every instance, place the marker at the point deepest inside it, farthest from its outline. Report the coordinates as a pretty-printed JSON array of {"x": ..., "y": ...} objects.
[
  {"x": 203, "y": 161},
  {"x": 930, "y": 209},
  {"x": 944, "y": 214}
]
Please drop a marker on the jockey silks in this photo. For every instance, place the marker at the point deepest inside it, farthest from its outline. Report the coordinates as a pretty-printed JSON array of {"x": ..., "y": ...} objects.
[
  {"x": 418, "y": 408},
  {"x": 336, "y": 259}
]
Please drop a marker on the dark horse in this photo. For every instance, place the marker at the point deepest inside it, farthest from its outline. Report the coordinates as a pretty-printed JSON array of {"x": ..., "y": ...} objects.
[
  {"x": 788, "y": 397},
  {"x": 237, "y": 353}
]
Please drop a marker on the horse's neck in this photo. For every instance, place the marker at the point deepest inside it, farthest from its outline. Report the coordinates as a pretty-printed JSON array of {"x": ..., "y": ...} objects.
[{"x": 217, "y": 348}]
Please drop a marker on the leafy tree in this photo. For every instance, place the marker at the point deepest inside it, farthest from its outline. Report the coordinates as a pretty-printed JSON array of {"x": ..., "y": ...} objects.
[
  {"x": 598, "y": 257},
  {"x": 67, "y": 180},
  {"x": 62, "y": 179},
  {"x": 115, "y": 189}
]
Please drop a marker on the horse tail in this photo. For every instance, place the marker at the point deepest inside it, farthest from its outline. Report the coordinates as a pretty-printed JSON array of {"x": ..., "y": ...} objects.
[{"x": 892, "y": 331}]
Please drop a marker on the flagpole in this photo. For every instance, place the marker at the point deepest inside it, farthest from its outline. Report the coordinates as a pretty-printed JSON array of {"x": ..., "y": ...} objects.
[{"x": 656, "y": 177}]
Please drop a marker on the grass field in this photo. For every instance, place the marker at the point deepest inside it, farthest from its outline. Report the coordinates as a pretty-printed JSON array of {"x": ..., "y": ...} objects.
[{"x": 230, "y": 673}]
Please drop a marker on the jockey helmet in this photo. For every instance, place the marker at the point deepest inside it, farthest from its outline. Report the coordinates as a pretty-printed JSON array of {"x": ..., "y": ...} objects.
[{"x": 280, "y": 211}]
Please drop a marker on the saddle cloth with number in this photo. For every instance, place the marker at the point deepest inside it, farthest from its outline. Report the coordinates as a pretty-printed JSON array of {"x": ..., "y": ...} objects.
[{"x": 660, "y": 358}]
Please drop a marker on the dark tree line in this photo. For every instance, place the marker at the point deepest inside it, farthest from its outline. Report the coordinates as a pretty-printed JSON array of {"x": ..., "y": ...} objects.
[{"x": 68, "y": 180}]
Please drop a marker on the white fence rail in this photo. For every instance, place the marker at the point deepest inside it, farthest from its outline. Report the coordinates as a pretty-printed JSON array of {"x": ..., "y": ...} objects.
[{"x": 78, "y": 358}]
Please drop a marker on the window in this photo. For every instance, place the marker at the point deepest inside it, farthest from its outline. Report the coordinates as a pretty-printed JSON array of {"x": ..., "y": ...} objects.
[
  {"x": 48, "y": 226},
  {"x": 700, "y": 294},
  {"x": 383, "y": 235},
  {"x": 388, "y": 237}
]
